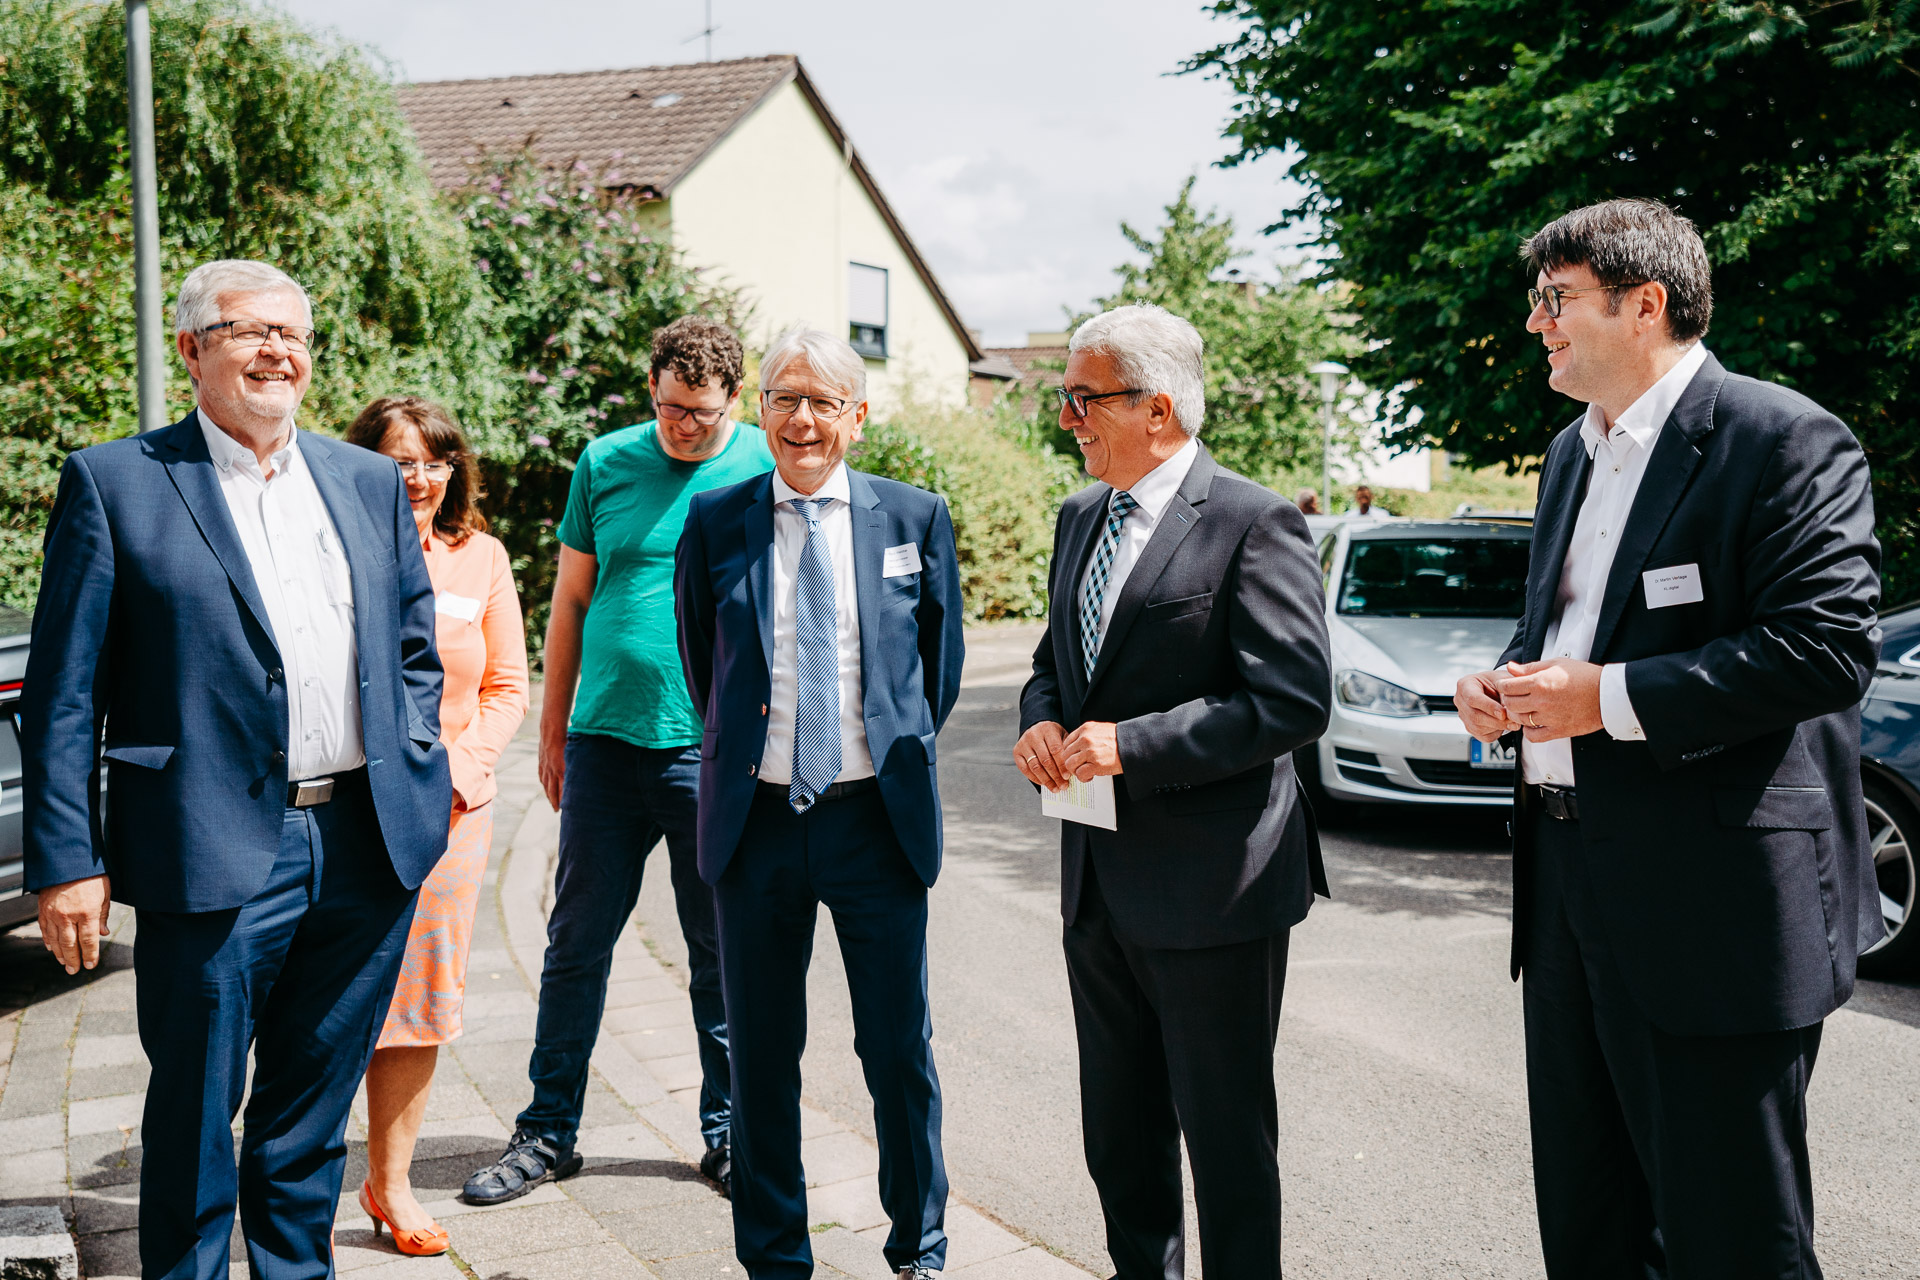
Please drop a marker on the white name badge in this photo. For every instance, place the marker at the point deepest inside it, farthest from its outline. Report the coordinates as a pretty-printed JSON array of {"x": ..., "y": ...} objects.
[
  {"x": 900, "y": 561},
  {"x": 1678, "y": 585},
  {"x": 465, "y": 608}
]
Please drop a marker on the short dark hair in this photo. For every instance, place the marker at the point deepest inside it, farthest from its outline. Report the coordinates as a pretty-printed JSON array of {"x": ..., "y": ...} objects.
[
  {"x": 699, "y": 351},
  {"x": 1626, "y": 241},
  {"x": 459, "y": 516}
]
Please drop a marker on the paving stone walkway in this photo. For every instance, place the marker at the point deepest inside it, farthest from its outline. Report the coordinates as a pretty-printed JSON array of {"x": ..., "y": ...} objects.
[{"x": 73, "y": 1081}]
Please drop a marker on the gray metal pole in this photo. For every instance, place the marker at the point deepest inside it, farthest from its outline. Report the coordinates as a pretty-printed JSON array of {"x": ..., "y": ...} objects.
[
  {"x": 150, "y": 324},
  {"x": 1326, "y": 450}
]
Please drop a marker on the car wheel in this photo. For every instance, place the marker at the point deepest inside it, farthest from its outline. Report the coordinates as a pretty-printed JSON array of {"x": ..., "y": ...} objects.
[{"x": 1893, "y": 829}]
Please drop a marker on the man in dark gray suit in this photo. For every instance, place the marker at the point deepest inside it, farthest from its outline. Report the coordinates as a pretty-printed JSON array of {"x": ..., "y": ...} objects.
[{"x": 1186, "y": 657}]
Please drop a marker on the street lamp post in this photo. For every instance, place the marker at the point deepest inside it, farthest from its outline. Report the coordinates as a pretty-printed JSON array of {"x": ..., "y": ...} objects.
[
  {"x": 1331, "y": 373},
  {"x": 151, "y": 356}
]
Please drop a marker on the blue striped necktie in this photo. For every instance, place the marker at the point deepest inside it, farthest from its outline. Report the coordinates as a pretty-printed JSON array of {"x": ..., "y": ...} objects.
[
  {"x": 1118, "y": 510},
  {"x": 816, "y": 654}
]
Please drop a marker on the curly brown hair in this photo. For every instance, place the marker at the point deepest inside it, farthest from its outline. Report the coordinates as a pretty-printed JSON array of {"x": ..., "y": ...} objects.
[
  {"x": 698, "y": 351},
  {"x": 459, "y": 516}
]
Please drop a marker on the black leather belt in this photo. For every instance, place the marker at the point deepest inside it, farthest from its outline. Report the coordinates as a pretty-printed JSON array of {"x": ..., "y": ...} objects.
[
  {"x": 1557, "y": 802},
  {"x": 834, "y": 791},
  {"x": 309, "y": 792}
]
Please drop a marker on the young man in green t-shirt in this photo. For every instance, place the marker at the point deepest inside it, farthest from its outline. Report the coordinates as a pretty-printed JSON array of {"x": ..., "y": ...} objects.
[{"x": 620, "y": 740}]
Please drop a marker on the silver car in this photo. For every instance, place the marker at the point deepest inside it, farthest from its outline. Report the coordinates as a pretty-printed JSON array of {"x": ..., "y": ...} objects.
[{"x": 1411, "y": 607}]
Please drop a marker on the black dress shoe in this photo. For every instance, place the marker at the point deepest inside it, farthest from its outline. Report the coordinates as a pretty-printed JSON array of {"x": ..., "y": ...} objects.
[
  {"x": 717, "y": 1164},
  {"x": 528, "y": 1161}
]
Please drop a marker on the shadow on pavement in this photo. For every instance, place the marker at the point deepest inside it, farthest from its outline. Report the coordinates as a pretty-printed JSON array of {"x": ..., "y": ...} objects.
[
  {"x": 1427, "y": 861},
  {"x": 29, "y": 973}
]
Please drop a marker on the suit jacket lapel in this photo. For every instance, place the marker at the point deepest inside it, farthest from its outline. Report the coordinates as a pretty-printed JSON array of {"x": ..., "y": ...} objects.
[
  {"x": 349, "y": 520},
  {"x": 183, "y": 449},
  {"x": 869, "y": 553},
  {"x": 1175, "y": 523},
  {"x": 759, "y": 548},
  {"x": 1556, "y": 510},
  {"x": 1676, "y": 453}
]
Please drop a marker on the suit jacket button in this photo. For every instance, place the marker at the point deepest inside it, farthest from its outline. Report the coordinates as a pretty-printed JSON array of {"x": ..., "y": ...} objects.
[
  {"x": 277, "y": 676},
  {"x": 753, "y": 770},
  {"x": 279, "y": 758}
]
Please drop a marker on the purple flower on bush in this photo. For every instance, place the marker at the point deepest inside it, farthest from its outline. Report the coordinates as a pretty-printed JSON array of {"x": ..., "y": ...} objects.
[
  {"x": 547, "y": 199},
  {"x": 569, "y": 372},
  {"x": 526, "y": 275},
  {"x": 551, "y": 391},
  {"x": 540, "y": 442},
  {"x": 536, "y": 377},
  {"x": 484, "y": 265},
  {"x": 594, "y": 276},
  {"x": 522, "y": 220},
  {"x": 616, "y": 398},
  {"x": 552, "y": 338}
]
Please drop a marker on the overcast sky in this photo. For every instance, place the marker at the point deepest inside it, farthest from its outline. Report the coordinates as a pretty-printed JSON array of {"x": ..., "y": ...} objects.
[{"x": 1012, "y": 136}]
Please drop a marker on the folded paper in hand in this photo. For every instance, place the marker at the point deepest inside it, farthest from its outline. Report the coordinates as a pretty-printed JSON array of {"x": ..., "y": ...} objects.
[{"x": 1087, "y": 802}]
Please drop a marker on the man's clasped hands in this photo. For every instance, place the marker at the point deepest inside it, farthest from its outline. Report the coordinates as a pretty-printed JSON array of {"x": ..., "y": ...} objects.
[{"x": 1557, "y": 698}]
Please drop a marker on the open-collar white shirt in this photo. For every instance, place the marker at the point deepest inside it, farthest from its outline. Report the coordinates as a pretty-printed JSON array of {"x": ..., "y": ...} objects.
[
  {"x": 789, "y": 537},
  {"x": 1153, "y": 492},
  {"x": 1619, "y": 464},
  {"x": 301, "y": 573}
]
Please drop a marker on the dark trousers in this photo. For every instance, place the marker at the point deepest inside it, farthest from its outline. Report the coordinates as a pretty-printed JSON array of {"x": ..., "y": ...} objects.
[
  {"x": 1172, "y": 1043},
  {"x": 618, "y": 801},
  {"x": 1654, "y": 1155},
  {"x": 843, "y": 853},
  {"x": 303, "y": 973}
]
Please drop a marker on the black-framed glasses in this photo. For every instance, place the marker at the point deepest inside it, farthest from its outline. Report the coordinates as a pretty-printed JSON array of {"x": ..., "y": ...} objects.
[
  {"x": 680, "y": 413},
  {"x": 825, "y": 408},
  {"x": 1555, "y": 296},
  {"x": 435, "y": 470},
  {"x": 252, "y": 333},
  {"x": 1077, "y": 401}
]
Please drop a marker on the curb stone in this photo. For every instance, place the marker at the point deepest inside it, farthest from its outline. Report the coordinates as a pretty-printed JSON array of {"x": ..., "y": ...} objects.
[{"x": 34, "y": 1244}]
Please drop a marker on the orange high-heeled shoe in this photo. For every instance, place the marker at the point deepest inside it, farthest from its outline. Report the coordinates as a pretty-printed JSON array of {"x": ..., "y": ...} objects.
[{"x": 415, "y": 1244}]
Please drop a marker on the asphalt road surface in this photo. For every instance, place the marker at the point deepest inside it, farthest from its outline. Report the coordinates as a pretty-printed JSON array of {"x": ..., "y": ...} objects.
[{"x": 1404, "y": 1147}]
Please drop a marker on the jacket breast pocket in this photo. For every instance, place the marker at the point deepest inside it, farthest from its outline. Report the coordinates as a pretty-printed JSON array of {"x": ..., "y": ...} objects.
[
  {"x": 1179, "y": 607},
  {"x": 146, "y": 755}
]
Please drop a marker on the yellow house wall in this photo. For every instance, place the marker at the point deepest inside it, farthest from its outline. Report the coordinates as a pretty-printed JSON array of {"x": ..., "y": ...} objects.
[{"x": 775, "y": 212}]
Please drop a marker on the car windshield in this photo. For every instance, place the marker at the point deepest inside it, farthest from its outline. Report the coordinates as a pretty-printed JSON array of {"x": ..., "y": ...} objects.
[{"x": 1435, "y": 578}]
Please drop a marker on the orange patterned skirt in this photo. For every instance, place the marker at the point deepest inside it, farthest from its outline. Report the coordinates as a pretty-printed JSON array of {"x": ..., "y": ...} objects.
[{"x": 433, "y": 976}]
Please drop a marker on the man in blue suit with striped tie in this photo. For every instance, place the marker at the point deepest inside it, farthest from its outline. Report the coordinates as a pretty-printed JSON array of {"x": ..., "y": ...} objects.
[{"x": 820, "y": 629}]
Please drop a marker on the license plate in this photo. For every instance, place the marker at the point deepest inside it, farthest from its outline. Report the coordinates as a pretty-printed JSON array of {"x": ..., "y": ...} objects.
[{"x": 1489, "y": 755}]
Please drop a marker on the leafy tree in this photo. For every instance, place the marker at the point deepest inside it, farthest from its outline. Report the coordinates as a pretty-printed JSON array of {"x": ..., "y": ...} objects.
[
  {"x": 578, "y": 282},
  {"x": 1433, "y": 137},
  {"x": 272, "y": 143},
  {"x": 1261, "y": 412}
]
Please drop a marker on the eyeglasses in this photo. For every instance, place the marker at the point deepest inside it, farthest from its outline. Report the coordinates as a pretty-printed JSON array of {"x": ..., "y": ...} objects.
[
  {"x": 680, "y": 413},
  {"x": 1555, "y": 297},
  {"x": 431, "y": 470},
  {"x": 251, "y": 333},
  {"x": 825, "y": 408},
  {"x": 1077, "y": 401}
]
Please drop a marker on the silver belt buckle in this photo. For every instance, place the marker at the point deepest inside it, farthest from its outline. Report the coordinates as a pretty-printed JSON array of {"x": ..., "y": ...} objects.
[{"x": 312, "y": 791}]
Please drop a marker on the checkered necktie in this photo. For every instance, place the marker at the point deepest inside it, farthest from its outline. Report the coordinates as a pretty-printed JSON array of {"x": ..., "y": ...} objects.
[
  {"x": 816, "y": 652},
  {"x": 1121, "y": 507}
]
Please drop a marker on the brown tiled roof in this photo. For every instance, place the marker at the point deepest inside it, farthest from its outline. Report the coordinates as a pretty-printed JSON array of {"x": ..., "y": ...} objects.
[
  {"x": 648, "y": 125},
  {"x": 1035, "y": 366}
]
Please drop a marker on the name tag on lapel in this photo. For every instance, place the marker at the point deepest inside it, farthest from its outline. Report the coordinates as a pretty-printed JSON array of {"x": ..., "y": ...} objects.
[
  {"x": 465, "y": 608},
  {"x": 1677, "y": 585},
  {"x": 900, "y": 561}
]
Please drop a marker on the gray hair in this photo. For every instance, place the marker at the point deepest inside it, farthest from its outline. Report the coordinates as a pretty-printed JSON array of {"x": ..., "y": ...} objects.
[
  {"x": 198, "y": 305},
  {"x": 832, "y": 359},
  {"x": 1154, "y": 350}
]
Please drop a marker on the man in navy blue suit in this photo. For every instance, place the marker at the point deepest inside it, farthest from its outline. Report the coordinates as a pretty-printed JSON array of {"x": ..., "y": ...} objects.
[
  {"x": 243, "y": 607},
  {"x": 820, "y": 629}
]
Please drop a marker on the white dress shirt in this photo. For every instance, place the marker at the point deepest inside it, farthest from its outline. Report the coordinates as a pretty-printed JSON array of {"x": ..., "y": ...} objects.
[
  {"x": 789, "y": 536},
  {"x": 1619, "y": 461},
  {"x": 1153, "y": 492},
  {"x": 302, "y": 575}
]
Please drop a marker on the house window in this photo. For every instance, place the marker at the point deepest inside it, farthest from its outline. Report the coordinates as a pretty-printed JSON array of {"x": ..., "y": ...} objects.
[{"x": 867, "y": 309}]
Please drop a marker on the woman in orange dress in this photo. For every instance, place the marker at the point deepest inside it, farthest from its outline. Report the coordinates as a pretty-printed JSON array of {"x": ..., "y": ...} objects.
[{"x": 482, "y": 701}]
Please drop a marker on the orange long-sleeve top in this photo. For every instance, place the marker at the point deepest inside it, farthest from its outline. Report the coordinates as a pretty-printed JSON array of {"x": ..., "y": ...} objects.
[{"x": 483, "y": 649}]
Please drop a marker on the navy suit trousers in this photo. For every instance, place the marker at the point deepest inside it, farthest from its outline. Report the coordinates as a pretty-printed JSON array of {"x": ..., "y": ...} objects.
[
  {"x": 843, "y": 853},
  {"x": 1655, "y": 1156},
  {"x": 303, "y": 973}
]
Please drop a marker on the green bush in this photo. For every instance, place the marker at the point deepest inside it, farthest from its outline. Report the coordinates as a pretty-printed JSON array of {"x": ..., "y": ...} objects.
[{"x": 1002, "y": 486}]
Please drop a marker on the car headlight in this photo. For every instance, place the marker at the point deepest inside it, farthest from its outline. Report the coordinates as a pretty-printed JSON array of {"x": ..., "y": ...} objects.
[{"x": 1375, "y": 696}]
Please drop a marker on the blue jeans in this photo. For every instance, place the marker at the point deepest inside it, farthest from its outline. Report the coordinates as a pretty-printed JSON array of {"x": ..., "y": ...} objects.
[{"x": 618, "y": 801}]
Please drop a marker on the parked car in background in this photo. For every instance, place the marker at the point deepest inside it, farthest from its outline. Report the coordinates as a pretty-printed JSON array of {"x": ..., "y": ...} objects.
[
  {"x": 16, "y": 905},
  {"x": 1413, "y": 605},
  {"x": 1890, "y": 774}
]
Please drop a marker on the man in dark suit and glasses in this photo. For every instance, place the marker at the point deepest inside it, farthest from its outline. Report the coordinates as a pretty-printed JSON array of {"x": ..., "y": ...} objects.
[
  {"x": 243, "y": 605},
  {"x": 820, "y": 633},
  {"x": 1692, "y": 882},
  {"x": 1186, "y": 655}
]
